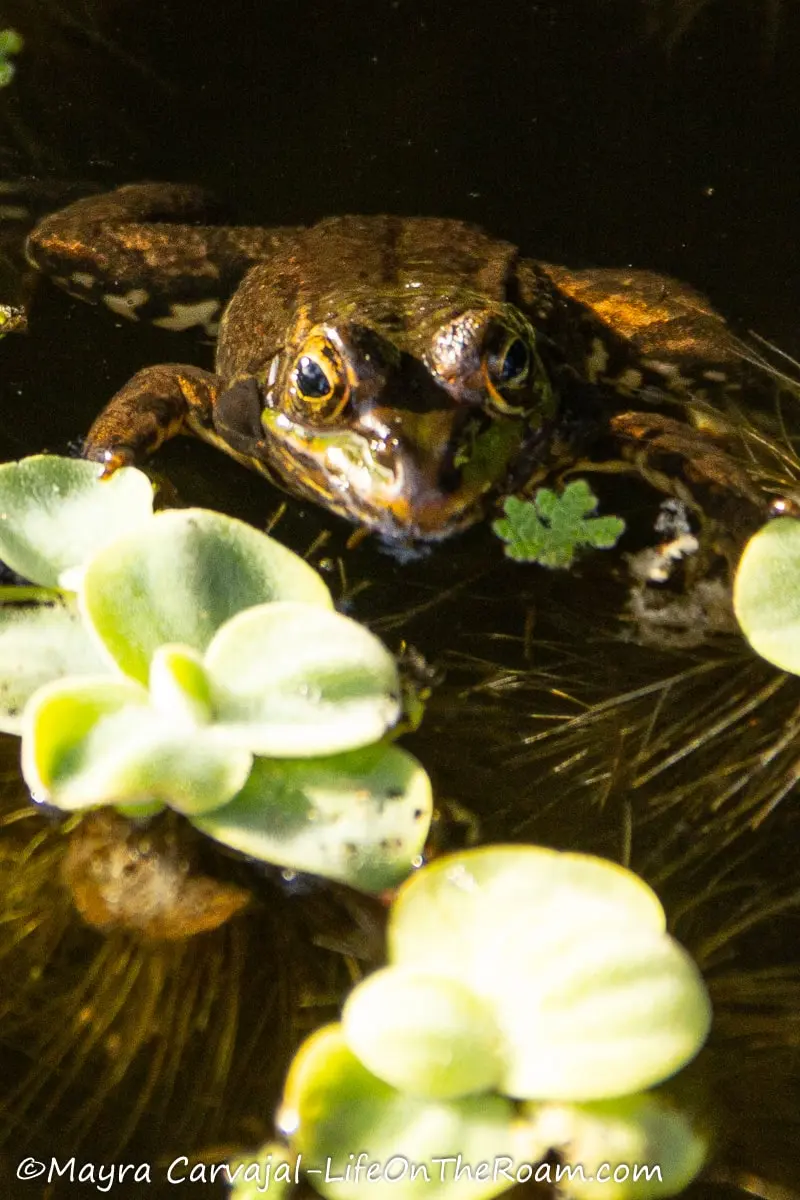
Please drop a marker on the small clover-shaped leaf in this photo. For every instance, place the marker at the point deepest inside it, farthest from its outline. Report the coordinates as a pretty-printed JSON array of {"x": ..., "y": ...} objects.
[{"x": 550, "y": 528}]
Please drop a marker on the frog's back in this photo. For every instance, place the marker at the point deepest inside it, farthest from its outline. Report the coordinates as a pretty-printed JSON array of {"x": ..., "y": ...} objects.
[
  {"x": 390, "y": 272},
  {"x": 389, "y": 251}
]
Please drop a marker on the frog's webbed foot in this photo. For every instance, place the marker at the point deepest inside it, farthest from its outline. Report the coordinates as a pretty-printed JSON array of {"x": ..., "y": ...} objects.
[
  {"x": 144, "y": 253},
  {"x": 653, "y": 438},
  {"x": 152, "y": 407}
]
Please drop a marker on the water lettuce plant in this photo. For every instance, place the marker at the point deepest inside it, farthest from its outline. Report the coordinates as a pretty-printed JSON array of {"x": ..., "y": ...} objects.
[
  {"x": 183, "y": 658},
  {"x": 766, "y": 593},
  {"x": 551, "y": 528},
  {"x": 11, "y": 44},
  {"x": 531, "y": 1000}
]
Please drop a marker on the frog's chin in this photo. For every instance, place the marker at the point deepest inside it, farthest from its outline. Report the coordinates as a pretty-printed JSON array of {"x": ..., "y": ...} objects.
[{"x": 398, "y": 516}]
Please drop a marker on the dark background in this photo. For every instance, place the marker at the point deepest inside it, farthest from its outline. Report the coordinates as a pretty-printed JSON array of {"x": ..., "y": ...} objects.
[
  {"x": 590, "y": 132},
  {"x": 586, "y": 130},
  {"x": 664, "y": 134}
]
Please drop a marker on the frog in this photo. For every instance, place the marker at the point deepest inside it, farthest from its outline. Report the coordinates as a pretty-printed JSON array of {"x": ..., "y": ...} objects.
[{"x": 403, "y": 372}]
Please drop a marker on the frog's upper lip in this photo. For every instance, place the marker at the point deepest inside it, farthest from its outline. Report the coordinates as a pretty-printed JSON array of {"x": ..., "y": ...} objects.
[{"x": 385, "y": 479}]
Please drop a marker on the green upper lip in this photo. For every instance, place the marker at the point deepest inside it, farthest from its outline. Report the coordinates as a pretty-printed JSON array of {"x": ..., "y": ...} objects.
[{"x": 397, "y": 484}]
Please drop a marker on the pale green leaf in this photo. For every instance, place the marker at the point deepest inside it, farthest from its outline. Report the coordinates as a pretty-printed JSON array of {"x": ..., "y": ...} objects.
[
  {"x": 179, "y": 687},
  {"x": 60, "y": 718},
  {"x": 449, "y": 915},
  {"x": 180, "y": 578},
  {"x": 615, "y": 1136},
  {"x": 602, "y": 1013},
  {"x": 37, "y": 646},
  {"x": 96, "y": 741},
  {"x": 335, "y": 1108},
  {"x": 361, "y": 818},
  {"x": 591, "y": 996},
  {"x": 766, "y": 593},
  {"x": 57, "y": 512},
  {"x": 424, "y": 1033},
  {"x": 293, "y": 680}
]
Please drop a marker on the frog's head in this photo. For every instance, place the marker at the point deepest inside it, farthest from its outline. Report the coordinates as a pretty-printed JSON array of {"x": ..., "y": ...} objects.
[{"x": 405, "y": 431}]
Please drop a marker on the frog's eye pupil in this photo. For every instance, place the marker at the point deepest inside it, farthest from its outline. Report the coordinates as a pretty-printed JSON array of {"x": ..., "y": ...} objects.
[
  {"x": 515, "y": 363},
  {"x": 312, "y": 382}
]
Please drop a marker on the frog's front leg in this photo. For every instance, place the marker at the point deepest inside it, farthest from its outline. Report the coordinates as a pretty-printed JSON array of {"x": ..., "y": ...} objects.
[{"x": 156, "y": 404}]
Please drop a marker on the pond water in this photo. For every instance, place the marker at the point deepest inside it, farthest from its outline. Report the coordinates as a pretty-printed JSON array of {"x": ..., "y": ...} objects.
[{"x": 589, "y": 133}]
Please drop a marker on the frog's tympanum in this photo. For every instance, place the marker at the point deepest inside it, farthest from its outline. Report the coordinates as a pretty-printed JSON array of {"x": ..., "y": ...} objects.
[{"x": 401, "y": 372}]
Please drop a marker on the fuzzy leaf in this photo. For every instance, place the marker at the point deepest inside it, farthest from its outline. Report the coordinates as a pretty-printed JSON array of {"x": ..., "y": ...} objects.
[
  {"x": 600, "y": 1013},
  {"x": 181, "y": 577},
  {"x": 551, "y": 528},
  {"x": 334, "y": 1107},
  {"x": 55, "y": 513},
  {"x": 590, "y": 995},
  {"x": 37, "y": 646},
  {"x": 645, "y": 1129},
  {"x": 766, "y": 593},
  {"x": 447, "y": 916},
  {"x": 295, "y": 681},
  {"x": 179, "y": 687},
  {"x": 361, "y": 818},
  {"x": 97, "y": 741},
  {"x": 424, "y": 1033}
]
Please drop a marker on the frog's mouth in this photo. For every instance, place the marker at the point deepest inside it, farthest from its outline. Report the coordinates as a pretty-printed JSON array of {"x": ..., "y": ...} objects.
[{"x": 424, "y": 477}]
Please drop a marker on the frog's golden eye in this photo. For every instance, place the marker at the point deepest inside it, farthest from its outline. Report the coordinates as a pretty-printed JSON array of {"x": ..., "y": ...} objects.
[
  {"x": 509, "y": 367},
  {"x": 319, "y": 382}
]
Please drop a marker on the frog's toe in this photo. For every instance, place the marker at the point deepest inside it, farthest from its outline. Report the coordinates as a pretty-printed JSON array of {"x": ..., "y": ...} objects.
[{"x": 111, "y": 458}]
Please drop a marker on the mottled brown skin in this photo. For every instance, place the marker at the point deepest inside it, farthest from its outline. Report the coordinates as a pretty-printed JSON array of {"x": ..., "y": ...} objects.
[{"x": 399, "y": 371}]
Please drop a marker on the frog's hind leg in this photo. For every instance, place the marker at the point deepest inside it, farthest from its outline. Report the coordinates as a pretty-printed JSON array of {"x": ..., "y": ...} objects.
[
  {"x": 668, "y": 373},
  {"x": 158, "y": 403},
  {"x": 144, "y": 253},
  {"x": 639, "y": 332}
]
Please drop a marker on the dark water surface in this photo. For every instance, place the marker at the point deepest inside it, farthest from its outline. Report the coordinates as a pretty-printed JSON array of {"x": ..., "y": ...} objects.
[{"x": 572, "y": 130}]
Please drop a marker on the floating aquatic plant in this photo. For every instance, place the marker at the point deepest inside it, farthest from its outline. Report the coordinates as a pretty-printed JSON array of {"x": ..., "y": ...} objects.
[
  {"x": 551, "y": 528},
  {"x": 10, "y": 45},
  {"x": 531, "y": 998},
  {"x": 185, "y": 659},
  {"x": 766, "y": 594}
]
